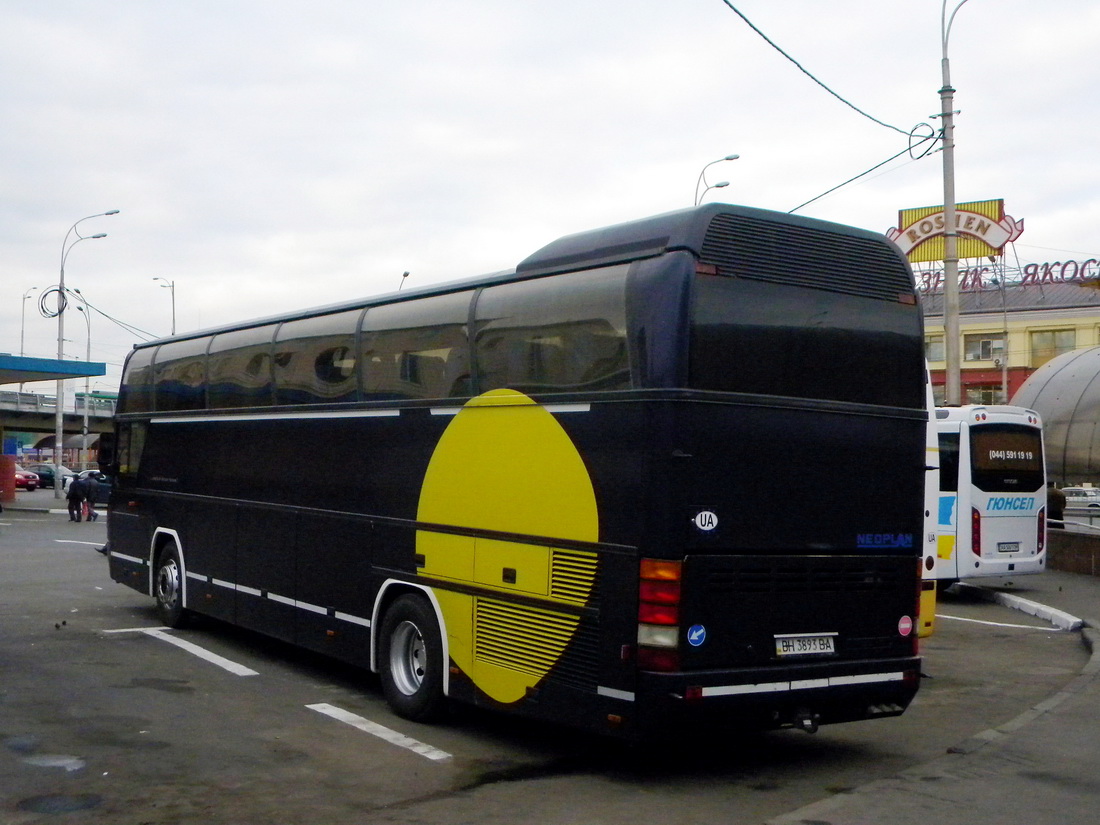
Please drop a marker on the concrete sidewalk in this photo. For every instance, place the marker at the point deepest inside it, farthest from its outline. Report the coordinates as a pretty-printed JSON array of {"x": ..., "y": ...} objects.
[
  {"x": 42, "y": 501},
  {"x": 1041, "y": 768}
]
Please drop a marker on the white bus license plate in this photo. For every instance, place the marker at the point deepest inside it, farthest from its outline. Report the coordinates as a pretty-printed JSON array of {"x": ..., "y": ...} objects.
[
  {"x": 804, "y": 645},
  {"x": 1008, "y": 547}
]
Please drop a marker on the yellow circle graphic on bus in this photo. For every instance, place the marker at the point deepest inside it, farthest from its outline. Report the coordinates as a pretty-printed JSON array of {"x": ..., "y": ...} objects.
[{"x": 504, "y": 463}]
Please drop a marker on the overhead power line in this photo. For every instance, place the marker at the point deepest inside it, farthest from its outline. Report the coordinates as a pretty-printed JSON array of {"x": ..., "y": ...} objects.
[{"x": 806, "y": 72}]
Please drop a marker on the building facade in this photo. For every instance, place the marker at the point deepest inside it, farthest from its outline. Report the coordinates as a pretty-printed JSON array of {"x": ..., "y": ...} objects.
[{"x": 1009, "y": 331}]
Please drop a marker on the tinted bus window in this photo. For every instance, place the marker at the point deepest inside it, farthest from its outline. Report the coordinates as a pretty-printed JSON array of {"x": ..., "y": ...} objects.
[
  {"x": 773, "y": 339},
  {"x": 1006, "y": 458},
  {"x": 239, "y": 367},
  {"x": 130, "y": 446},
  {"x": 949, "y": 462},
  {"x": 417, "y": 349},
  {"x": 315, "y": 360},
  {"x": 136, "y": 392},
  {"x": 179, "y": 375},
  {"x": 561, "y": 334}
]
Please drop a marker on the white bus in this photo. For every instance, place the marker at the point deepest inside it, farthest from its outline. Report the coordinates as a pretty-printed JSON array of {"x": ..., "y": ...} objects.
[{"x": 992, "y": 508}]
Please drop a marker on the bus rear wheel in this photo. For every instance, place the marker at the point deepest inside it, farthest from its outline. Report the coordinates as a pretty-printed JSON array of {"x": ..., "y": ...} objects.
[
  {"x": 411, "y": 659},
  {"x": 168, "y": 588}
]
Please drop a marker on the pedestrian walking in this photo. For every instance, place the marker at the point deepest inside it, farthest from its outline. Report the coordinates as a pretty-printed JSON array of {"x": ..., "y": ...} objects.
[
  {"x": 75, "y": 499},
  {"x": 91, "y": 494}
]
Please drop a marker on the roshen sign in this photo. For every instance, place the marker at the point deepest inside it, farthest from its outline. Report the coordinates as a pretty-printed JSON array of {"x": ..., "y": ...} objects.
[{"x": 982, "y": 226}]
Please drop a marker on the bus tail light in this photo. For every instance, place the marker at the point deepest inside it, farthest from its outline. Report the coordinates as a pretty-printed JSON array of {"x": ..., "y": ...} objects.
[
  {"x": 976, "y": 533},
  {"x": 1041, "y": 538},
  {"x": 659, "y": 615}
]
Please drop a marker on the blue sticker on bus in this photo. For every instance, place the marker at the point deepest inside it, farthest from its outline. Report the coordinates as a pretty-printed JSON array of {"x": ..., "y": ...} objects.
[
  {"x": 947, "y": 511},
  {"x": 697, "y": 634}
]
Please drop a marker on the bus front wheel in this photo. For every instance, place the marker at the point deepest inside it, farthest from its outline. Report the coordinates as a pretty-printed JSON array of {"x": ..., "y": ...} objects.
[
  {"x": 411, "y": 659},
  {"x": 168, "y": 588}
]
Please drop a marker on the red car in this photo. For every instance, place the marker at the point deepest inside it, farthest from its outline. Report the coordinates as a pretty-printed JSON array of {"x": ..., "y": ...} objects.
[{"x": 25, "y": 479}]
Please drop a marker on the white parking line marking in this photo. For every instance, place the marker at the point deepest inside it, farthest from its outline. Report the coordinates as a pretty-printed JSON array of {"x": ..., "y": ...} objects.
[
  {"x": 190, "y": 647},
  {"x": 382, "y": 732},
  {"x": 996, "y": 624},
  {"x": 71, "y": 541}
]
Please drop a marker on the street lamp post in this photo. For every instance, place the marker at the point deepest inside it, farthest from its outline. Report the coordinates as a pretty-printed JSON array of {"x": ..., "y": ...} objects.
[
  {"x": 23, "y": 326},
  {"x": 703, "y": 179},
  {"x": 712, "y": 186},
  {"x": 59, "y": 415},
  {"x": 87, "y": 359},
  {"x": 953, "y": 376},
  {"x": 23, "y": 319},
  {"x": 171, "y": 286}
]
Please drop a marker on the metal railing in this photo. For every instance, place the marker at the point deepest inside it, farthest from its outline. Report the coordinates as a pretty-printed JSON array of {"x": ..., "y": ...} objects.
[{"x": 33, "y": 402}]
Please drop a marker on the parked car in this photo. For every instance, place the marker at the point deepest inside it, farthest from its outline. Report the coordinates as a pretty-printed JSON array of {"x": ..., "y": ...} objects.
[
  {"x": 103, "y": 491},
  {"x": 1082, "y": 496},
  {"x": 25, "y": 479},
  {"x": 45, "y": 474}
]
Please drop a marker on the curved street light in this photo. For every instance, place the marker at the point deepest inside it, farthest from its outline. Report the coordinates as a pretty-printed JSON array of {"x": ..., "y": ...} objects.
[
  {"x": 23, "y": 319},
  {"x": 703, "y": 179},
  {"x": 712, "y": 186},
  {"x": 23, "y": 325},
  {"x": 953, "y": 372},
  {"x": 171, "y": 285},
  {"x": 59, "y": 415},
  {"x": 83, "y": 307}
]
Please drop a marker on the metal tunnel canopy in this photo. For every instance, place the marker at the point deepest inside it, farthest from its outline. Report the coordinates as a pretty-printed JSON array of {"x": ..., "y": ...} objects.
[{"x": 1065, "y": 391}]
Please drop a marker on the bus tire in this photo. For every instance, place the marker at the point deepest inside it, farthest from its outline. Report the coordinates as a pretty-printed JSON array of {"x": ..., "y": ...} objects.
[
  {"x": 168, "y": 588},
  {"x": 411, "y": 659}
]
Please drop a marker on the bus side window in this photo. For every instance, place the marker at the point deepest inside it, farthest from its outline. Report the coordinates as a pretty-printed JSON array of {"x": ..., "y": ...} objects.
[
  {"x": 949, "y": 462},
  {"x": 239, "y": 369},
  {"x": 561, "y": 334},
  {"x": 417, "y": 349},
  {"x": 131, "y": 445},
  {"x": 315, "y": 360},
  {"x": 179, "y": 375},
  {"x": 136, "y": 391}
]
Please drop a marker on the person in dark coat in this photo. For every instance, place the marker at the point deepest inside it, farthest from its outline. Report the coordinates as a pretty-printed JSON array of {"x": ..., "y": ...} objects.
[
  {"x": 91, "y": 494},
  {"x": 1056, "y": 507},
  {"x": 75, "y": 498}
]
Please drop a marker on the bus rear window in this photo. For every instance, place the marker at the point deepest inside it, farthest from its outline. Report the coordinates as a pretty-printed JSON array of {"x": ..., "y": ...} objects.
[
  {"x": 1006, "y": 458},
  {"x": 765, "y": 338}
]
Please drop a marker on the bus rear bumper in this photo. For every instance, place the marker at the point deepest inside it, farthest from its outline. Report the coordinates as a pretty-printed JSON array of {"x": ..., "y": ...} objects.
[{"x": 804, "y": 696}]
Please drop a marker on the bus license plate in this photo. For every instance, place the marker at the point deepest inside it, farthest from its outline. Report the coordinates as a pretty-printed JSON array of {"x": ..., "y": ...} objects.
[
  {"x": 804, "y": 645},
  {"x": 1008, "y": 547}
]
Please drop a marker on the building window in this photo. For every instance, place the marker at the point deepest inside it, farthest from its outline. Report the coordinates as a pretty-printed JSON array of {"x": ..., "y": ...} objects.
[
  {"x": 983, "y": 346},
  {"x": 933, "y": 348},
  {"x": 1050, "y": 343},
  {"x": 984, "y": 394}
]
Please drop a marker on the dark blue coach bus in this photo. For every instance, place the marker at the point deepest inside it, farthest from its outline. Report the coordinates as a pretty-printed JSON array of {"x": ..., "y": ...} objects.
[{"x": 559, "y": 491}]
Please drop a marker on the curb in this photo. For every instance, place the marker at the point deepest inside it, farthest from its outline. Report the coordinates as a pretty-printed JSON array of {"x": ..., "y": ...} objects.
[{"x": 1058, "y": 618}]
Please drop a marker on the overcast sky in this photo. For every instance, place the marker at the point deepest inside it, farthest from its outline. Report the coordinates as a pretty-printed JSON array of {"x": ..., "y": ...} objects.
[{"x": 267, "y": 156}]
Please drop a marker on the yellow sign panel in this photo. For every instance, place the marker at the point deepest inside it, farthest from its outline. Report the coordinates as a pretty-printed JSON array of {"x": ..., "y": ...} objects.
[{"x": 983, "y": 230}]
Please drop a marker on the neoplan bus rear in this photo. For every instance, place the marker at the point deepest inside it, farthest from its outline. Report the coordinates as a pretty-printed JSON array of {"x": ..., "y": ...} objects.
[{"x": 557, "y": 491}]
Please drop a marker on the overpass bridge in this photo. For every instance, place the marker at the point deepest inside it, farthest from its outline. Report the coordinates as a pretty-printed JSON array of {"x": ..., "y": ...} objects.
[{"x": 29, "y": 412}]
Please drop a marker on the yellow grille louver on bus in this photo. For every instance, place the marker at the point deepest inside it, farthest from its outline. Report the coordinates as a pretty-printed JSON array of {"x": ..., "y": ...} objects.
[
  {"x": 519, "y": 638},
  {"x": 571, "y": 575}
]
